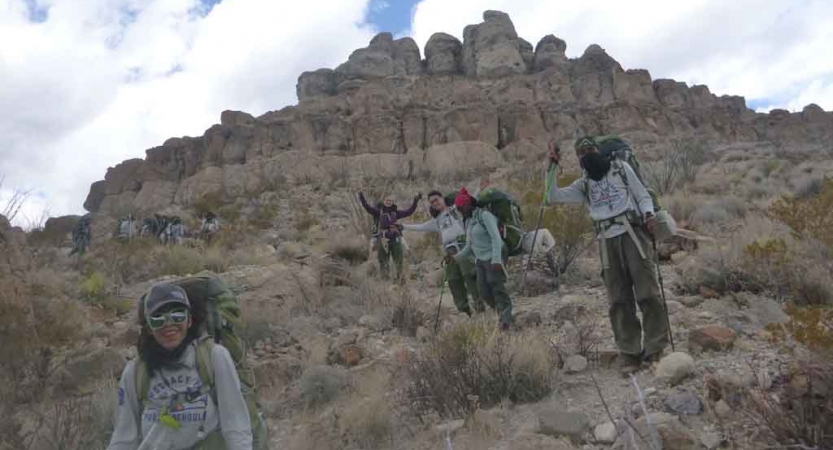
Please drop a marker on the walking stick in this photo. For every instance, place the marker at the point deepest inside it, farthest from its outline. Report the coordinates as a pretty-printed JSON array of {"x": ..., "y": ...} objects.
[
  {"x": 662, "y": 292},
  {"x": 547, "y": 186},
  {"x": 439, "y": 305}
]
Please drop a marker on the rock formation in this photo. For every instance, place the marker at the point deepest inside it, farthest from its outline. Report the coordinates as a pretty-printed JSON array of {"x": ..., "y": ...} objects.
[{"x": 385, "y": 108}]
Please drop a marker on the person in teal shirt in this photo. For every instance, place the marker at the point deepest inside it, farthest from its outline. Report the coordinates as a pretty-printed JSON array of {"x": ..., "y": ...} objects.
[{"x": 483, "y": 241}]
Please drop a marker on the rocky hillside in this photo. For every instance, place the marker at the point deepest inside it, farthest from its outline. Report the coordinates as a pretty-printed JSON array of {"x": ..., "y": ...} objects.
[{"x": 387, "y": 111}]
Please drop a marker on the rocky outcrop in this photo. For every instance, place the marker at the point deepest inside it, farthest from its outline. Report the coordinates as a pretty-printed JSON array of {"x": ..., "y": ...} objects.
[
  {"x": 385, "y": 107},
  {"x": 492, "y": 49},
  {"x": 443, "y": 55}
]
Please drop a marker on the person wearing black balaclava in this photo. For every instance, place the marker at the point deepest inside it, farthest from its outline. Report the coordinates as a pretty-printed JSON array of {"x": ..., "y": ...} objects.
[{"x": 623, "y": 215}]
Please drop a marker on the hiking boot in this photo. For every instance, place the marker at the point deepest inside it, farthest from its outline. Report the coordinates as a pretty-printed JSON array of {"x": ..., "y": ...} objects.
[
  {"x": 652, "y": 359},
  {"x": 628, "y": 364},
  {"x": 504, "y": 326},
  {"x": 467, "y": 311}
]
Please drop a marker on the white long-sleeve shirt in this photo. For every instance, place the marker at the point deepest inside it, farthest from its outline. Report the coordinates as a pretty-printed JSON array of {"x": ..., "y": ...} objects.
[
  {"x": 608, "y": 197},
  {"x": 133, "y": 423},
  {"x": 449, "y": 224}
]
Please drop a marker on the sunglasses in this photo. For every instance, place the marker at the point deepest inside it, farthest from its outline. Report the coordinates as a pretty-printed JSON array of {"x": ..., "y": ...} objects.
[{"x": 177, "y": 317}]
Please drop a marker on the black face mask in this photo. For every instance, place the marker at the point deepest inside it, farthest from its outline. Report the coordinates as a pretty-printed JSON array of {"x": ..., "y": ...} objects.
[{"x": 596, "y": 165}]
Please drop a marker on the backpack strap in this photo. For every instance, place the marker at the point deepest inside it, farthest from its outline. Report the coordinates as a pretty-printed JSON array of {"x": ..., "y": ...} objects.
[
  {"x": 141, "y": 378},
  {"x": 205, "y": 369}
]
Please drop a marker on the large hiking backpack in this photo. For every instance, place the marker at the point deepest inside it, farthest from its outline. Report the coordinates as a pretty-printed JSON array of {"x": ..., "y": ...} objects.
[
  {"x": 224, "y": 325},
  {"x": 508, "y": 213},
  {"x": 618, "y": 148}
]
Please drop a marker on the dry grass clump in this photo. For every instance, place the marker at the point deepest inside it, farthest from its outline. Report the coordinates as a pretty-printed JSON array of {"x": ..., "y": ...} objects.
[
  {"x": 474, "y": 365},
  {"x": 800, "y": 413},
  {"x": 762, "y": 257}
]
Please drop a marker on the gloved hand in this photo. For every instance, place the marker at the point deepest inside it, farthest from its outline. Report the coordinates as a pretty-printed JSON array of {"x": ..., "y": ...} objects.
[{"x": 554, "y": 153}]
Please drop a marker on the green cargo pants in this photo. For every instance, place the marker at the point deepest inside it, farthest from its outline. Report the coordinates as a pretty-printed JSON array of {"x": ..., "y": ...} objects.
[
  {"x": 631, "y": 280},
  {"x": 492, "y": 287},
  {"x": 462, "y": 282},
  {"x": 394, "y": 250}
]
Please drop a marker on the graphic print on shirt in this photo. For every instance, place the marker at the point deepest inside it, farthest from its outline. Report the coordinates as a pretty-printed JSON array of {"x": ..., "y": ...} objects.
[
  {"x": 446, "y": 222},
  {"x": 181, "y": 394},
  {"x": 604, "y": 193}
]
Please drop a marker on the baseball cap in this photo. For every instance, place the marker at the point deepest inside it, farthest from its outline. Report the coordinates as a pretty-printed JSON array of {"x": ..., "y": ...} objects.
[{"x": 163, "y": 294}]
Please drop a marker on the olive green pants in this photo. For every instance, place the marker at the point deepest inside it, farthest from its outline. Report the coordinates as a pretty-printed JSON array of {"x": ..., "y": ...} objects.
[
  {"x": 630, "y": 281},
  {"x": 462, "y": 282},
  {"x": 394, "y": 250},
  {"x": 492, "y": 287}
]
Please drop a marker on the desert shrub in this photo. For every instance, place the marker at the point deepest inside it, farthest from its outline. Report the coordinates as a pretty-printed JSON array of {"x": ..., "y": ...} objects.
[
  {"x": 178, "y": 260},
  {"x": 209, "y": 202},
  {"x": 263, "y": 216},
  {"x": 682, "y": 207},
  {"x": 81, "y": 422},
  {"x": 719, "y": 212},
  {"x": 808, "y": 325},
  {"x": 570, "y": 225},
  {"x": 94, "y": 288},
  {"x": 474, "y": 365},
  {"x": 367, "y": 423},
  {"x": 320, "y": 385},
  {"x": 808, "y": 188},
  {"x": 676, "y": 164},
  {"x": 351, "y": 251},
  {"x": 800, "y": 413},
  {"x": 809, "y": 218},
  {"x": 405, "y": 314}
]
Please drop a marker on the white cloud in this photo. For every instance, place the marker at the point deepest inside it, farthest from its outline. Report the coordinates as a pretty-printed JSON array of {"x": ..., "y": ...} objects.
[
  {"x": 761, "y": 49},
  {"x": 101, "y": 81}
]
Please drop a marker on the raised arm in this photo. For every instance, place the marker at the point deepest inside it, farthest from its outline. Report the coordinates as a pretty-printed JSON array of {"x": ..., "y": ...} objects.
[
  {"x": 574, "y": 193},
  {"x": 411, "y": 210},
  {"x": 373, "y": 211}
]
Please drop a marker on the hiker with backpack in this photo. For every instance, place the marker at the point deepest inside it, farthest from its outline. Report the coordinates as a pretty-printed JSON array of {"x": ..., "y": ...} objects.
[
  {"x": 461, "y": 276},
  {"x": 389, "y": 232},
  {"x": 188, "y": 389},
  {"x": 124, "y": 229},
  {"x": 210, "y": 226},
  {"x": 485, "y": 243},
  {"x": 81, "y": 235},
  {"x": 624, "y": 218}
]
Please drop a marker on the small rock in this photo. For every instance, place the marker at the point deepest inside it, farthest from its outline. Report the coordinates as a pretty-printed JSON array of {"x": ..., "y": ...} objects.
[
  {"x": 672, "y": 434},
  {"x": 735, "y": 324},
  {"x": 575, "y": 364},
  {"x": 683, "y": 403},
  {"x": 673, "y": 307},
  {"x": 607, "y": 357},
  {"x": 371, "y": 322},
  {"x": 346, "y": 338},
  {"x": 651, "y": 391},
  {"x": 675, "y": 367},
  {"x": 712, "y": 337},
  {"x": 711, "y": 440},
  {"x": 528, "y": 319},
  {"x": 260, "y": 353},
  {"x": 117, "y": 326},
  {"x": 605, "y": 433},
  {"x": 555, "y": 422},
  {"x": 450, "y": 428},
  {"x": 707, "y": 292},
  {"x": 691, "y": 301},
  {"x": 705, "y": 315},
  {"x": 422, "y": 334},
  {"x": 351, "y": 355},
  {"x": 722, "y": 409}
]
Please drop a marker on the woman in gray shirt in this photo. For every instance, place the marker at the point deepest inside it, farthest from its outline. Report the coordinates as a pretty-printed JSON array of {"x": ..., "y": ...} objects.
[{"x": 163, "y": 403}]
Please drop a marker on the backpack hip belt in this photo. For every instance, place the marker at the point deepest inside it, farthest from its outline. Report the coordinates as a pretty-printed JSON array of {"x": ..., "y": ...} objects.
[{"x": 624, "y": 220}]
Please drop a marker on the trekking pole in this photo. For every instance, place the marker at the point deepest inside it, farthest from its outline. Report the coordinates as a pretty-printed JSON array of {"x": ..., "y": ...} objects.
[
  {"x": 547, "y": 186},
  {"x": 662, "y": 292},
  {"x": 440, "y": 303}
]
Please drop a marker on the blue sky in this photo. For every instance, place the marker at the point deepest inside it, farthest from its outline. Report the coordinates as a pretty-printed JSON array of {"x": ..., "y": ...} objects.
[{"x": 96, "y": 82}]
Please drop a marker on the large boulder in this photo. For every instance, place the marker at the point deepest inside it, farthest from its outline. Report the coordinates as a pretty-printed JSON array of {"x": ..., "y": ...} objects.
[
  {"x": 317, "y": 83},
  {"x": 382, "y": 58},
  {"x": 592, "y": 76},
  {"x": 549, "y": 52},
  {"x": 492, "y": 49},
  {"x": 406, "y": 57},
  {"x": 443, "y": 54}
]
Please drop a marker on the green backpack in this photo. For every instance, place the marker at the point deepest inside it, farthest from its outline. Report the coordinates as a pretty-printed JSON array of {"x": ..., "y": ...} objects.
[
  {"x": 224, "y": 325},
  {"x": 618, "y": 148},
  {"x": 508, "y": 213}
]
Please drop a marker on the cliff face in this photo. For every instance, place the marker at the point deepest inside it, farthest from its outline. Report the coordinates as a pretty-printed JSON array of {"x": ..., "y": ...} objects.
[{"x": 387, "y": 108}]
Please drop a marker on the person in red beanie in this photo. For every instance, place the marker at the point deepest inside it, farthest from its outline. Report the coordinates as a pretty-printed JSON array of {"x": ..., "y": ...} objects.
[{"x": 484, "y": 243}]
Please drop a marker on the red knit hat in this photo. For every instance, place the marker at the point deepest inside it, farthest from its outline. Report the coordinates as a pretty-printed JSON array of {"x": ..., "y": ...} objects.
[{"x": 463, "y": 198}]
